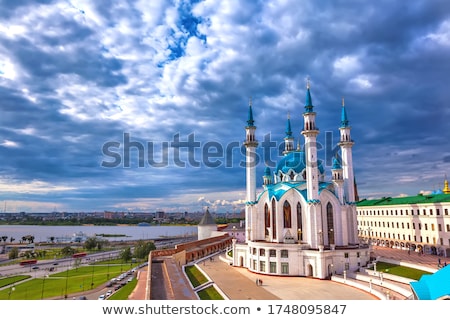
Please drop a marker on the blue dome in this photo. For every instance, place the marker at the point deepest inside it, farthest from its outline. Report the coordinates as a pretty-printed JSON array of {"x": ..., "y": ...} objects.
[
  {"x": 295, "y": 161},
  {"x": 267, "y": 172}
]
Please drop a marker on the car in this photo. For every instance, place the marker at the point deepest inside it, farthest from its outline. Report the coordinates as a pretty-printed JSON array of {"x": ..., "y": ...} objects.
[
  {"x": 82, "y": 298},
  {"x": 35, "y": 268},
  {"x": 101, "y": 297},
  {"x": 55, "y": 263}
]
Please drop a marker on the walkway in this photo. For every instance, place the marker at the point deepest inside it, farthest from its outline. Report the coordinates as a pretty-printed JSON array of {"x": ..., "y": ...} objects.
[{"x": 240, "y": 284}]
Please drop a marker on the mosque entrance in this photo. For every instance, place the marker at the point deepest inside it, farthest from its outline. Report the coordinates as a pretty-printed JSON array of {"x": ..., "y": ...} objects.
[{"x": 309, "y": 270}]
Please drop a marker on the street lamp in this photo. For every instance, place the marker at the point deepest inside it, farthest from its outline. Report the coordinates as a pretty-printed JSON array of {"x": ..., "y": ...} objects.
[
  {"x": 43, "y": 283},
  {"x": 11, "y": 289},
  {"x": 92, "y": 278}
]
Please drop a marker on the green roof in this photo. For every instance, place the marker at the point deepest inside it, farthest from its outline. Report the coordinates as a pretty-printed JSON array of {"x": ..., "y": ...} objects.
[{"x": 420, "y": 198}]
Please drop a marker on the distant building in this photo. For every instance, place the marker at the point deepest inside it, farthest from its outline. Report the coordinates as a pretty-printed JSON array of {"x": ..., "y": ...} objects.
[
  {"x": 207, "y": 226},
  {"x": 301, "y": 224},
  {"x": 417, "y": 223}
]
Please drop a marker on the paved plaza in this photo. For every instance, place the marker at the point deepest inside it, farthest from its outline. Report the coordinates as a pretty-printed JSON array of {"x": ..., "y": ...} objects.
[{"x": 240, "y": 284}]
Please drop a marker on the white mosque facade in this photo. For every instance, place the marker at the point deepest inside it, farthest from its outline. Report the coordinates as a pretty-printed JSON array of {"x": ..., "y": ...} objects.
[{"x": 301, "y": 224}]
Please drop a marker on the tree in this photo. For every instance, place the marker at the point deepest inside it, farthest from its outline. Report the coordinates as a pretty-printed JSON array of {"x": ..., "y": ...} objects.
[
  {"x": 126, "y": 255},
  {"x": 4, "y": 238},
  {"x": 142, "y": 249},
  {"x": 90, "y": 243},
  {"x": 13, "y": 254},
  {"x": 67, "y": 251}
]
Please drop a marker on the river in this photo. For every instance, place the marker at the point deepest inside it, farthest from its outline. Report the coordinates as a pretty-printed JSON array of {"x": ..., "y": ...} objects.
[{"x": 64, "y": 233}]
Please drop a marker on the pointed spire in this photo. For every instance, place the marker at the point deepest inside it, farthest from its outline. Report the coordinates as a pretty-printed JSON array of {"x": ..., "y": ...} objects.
[
  {"x": 344, "y": 119},
  {"x": 250, "y": 120},
  {"x": 308, "y": 102},
  {"x": 336, "y": 162},
  {"x": 288, "y": 126},
  {"x": 446, "y": 189}
]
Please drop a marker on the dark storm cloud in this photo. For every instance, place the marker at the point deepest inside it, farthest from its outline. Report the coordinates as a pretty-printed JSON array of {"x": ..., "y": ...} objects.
[{"x": 74, "y": 76}]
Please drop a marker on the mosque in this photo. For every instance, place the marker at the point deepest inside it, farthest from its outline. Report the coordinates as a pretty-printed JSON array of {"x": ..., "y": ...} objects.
[{"x": 301, "y": 224}]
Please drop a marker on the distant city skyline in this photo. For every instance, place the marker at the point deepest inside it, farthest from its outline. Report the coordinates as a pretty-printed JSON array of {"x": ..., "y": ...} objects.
[{"x": 77, "y": 76}]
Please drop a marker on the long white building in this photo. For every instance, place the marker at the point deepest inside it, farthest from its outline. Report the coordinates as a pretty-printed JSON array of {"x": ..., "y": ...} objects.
[
  {"x": 301, "y": 224},
  {"x": 418, "y": 223}
]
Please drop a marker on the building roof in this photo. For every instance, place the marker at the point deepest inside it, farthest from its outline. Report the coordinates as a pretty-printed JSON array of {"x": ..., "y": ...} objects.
[
  {"x": 279, "y": 189},
  {"x": 207, "y": 219},
  {"x": 420, "y": 198},
  {"x": 296, "y": 161},
  {"x": 433, "y": 286}
]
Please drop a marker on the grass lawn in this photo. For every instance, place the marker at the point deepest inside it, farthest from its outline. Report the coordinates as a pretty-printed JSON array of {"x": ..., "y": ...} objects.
[
  {"x": 210, "y": 293},
  {"x": 125, "y": 291},
  {"x": 401, "y": 271},
  {"x": 10, "y": 280},
  {"x": 195, "y": 276},
  {"x": 65, "y": 282}
]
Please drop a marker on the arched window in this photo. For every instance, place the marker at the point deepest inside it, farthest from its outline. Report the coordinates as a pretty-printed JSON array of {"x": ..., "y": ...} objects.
[
  {"x": 330, "y": 223},
  {"x": 274, "y": 219},
  {"x": 266, "y": 219},
  {"x": 299, "y": 221},
  {"x": 287, "y": 215}
]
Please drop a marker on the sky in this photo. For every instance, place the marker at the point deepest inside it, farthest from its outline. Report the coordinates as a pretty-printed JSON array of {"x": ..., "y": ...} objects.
[{"x": 142, "y": 105}]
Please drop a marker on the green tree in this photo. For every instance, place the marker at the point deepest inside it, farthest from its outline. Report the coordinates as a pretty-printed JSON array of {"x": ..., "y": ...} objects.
[
  {"x": 90, "y": 243},
  {"x": 67, "y": 251},
  {"x": 14, "y": 253},
  {"x": 142, "y": 249},
  {"x": 126, "y": 255}
]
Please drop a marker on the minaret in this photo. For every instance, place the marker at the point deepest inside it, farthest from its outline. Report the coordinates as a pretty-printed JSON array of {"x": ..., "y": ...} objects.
[
  {"x": 346, "y": 144},
  {"x": 337, "y": 178},
  {"x": 267, "y": 177},
  {"x": 288, "y": 139},
  {"x": 250, "y": 155},
  {"x": 310, "y": 132},
  {"x": 250, "y": 144}
]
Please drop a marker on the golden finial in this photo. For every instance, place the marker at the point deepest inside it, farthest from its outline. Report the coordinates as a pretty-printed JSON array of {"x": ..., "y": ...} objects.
[
  {"x": 289, "y": 115},
  {"x": 343, "y": 104},
  {"x": 250, "y": 101},
  {"x": 307, "y": 82}
]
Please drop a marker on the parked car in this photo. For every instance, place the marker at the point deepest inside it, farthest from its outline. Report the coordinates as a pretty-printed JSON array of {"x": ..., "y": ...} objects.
[{"x": 101, "y": 297}]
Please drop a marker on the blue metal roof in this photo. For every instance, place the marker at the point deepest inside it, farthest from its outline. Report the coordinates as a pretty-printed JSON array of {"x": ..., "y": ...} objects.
[
  {"x": 344, "y": 119},
  {"x": 295, "y": 161},
  {"x": 250, "y": 120},
  {"x": 308, "y": 103},
  {"x": 279, "y": 189},
  {"x": 433, "y": 286}
]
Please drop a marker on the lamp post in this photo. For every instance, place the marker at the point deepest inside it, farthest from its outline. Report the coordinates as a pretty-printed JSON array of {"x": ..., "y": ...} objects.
[
  {"x": 43, "y": 283},
  {"x": 92, "y": 278},
  {"x": 11, "y": 289}
]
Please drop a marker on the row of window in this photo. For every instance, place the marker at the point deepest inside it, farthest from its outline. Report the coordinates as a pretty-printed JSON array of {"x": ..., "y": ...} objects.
[
  {"x": 397, "y": 225},
  {"x": 272, "y": 267},
  {"x": 408, "y": 237},
  {"x": 401, "y": 211},
  {"x": 284, "y": 253},
  {"x": 272, "y": 252}
]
